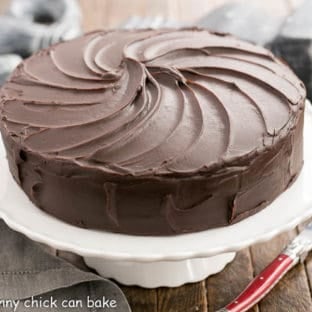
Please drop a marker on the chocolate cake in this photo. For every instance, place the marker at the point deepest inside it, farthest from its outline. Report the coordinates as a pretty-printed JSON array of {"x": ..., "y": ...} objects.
[{"x": 153, "y": 132}]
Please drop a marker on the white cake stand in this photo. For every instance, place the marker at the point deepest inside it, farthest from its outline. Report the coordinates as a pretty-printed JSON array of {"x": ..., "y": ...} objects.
[{"x": 160, "y": 261}]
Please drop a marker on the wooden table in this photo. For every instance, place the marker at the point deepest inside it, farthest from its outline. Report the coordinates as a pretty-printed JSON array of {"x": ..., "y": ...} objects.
[{"x": 293, "y": 293}]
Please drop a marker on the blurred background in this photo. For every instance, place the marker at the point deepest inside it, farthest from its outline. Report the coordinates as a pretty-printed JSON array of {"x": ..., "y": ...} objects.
[{"x": 112, "y": 13}]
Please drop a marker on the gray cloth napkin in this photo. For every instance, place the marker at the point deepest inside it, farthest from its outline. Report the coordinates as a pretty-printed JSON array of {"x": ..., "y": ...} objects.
[
  {"x": 246, "y": 20},
  {"x": 27, "y": 270},
  {"x": 294, "y": 43}
]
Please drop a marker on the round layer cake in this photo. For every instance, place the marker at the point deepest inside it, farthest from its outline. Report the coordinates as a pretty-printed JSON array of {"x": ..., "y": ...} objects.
[{"x": 153, "y": 132}]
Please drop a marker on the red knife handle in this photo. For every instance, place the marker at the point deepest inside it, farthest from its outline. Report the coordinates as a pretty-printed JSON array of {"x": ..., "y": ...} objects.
[{"x": 262, "y": 284}]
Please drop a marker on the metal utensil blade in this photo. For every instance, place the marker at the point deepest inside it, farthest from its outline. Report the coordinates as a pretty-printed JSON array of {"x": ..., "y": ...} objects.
[{"x": 301, "y": 245}]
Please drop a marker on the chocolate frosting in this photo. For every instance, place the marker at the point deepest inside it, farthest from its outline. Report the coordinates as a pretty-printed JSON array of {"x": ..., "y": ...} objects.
[{"x": 153, "y": 106}]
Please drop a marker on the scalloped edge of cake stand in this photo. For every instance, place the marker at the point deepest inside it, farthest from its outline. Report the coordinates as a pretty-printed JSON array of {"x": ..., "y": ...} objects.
[{"x": 160, "y": 273}]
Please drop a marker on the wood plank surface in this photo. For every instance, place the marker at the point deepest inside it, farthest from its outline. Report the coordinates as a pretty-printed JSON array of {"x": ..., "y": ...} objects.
[
  {"x": 293, "y": 293},
  {"x": 140, "y": 299},
  {"x": 226, "y": 285},
  {"x": 178, "y": 299}
]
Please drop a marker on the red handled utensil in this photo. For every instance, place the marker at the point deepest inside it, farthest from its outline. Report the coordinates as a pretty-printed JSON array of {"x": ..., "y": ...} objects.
[{"x": 270, "y": 276}]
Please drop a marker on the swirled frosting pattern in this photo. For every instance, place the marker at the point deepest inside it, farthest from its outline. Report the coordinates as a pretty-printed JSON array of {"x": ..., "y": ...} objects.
[{"x": 151, "y": 101}]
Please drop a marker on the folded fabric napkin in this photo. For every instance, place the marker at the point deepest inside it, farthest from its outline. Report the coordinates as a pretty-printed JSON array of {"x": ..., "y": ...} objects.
[
  {"x": 294, "y": 44},
  {"x": 31, "y": 279},
  {"x": 246, "y": 20}
]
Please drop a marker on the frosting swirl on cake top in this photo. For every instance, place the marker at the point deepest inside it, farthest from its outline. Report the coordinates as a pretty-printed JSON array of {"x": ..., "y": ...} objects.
[{"x": 151, "y": 101}]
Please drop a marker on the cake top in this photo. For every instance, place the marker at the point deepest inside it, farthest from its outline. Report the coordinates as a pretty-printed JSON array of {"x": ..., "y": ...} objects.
[{"x": 151, "y": 101}]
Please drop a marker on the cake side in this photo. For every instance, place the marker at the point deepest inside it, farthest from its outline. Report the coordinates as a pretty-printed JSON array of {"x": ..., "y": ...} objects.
[
  {"x": 153, "y": 132},
  {"x": 158, "y": 205}
]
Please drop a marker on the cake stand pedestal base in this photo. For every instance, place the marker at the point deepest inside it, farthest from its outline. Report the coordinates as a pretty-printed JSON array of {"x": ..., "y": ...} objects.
[{"x": 160, "y": 273}]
